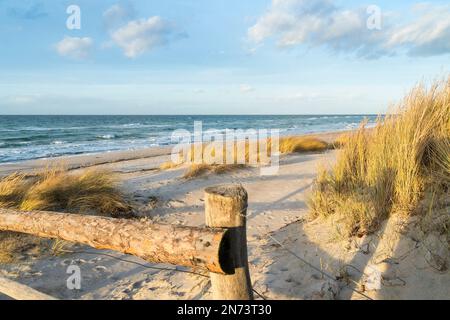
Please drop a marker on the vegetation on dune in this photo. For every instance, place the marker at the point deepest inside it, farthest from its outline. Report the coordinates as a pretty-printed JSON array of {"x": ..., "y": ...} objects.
[
  {"x": 302, "y": 144},
  {"x": 168, "y": 165},
  {"x": 14, "y": 245},
  {"x": 402, "y": 166},
  {"x": 195, "y": 170},
  {"x": 87, "y": 192},
  {"x": 213, "y": 162}
]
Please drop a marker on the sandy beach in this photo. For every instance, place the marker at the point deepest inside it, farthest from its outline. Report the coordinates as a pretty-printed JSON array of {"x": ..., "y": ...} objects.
[
  {"x": 235, "y": 151},
  {"x": 390, "y": 264}
]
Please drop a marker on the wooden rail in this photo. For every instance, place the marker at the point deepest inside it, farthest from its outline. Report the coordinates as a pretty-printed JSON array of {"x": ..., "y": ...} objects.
[
  {"x": 184, "y": 246},
  {"x": 19, "y": 291},
  {"x": 220, "y": 248}
]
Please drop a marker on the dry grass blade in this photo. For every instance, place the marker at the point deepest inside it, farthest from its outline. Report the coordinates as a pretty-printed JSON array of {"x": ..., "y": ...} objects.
[
  {"x": 216, "y": 158},
  {"x": 55, "y": 189},
  {"x": 390, "y": 168}
]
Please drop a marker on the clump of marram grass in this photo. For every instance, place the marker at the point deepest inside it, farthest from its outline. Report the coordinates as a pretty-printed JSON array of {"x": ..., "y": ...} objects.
[
  {"x": 169, "y": 165},
  {"x": 302, "y": 144},
  {"x": 341, "y": 140},
  {"x": 216, "y": 156},
  {"x": 86, "y": 192},
  {"x": 90, "y": 191},
  {"x": 391, "y": 168},
  {"x": 12, "y": 189},
  {"x": 196, "y": 170},
  {"x": 213, "y": 157}
]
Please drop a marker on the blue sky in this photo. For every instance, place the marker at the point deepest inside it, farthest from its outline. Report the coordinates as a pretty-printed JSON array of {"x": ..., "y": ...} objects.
[{"x": 218, "y": 57}]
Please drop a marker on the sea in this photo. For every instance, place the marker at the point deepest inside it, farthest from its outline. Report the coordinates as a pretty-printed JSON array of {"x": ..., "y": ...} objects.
[{"x": 37, "y": 137}]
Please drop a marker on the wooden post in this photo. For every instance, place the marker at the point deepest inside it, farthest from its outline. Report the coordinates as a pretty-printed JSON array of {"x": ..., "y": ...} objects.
[
  {"x": 158, "y": 243},
  {"x": 226, "y": 207},
  {"x": 18, "y": 291}
]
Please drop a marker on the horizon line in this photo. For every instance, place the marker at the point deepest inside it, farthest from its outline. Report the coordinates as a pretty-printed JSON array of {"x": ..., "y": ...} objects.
[{"x": 185, "y": 115}]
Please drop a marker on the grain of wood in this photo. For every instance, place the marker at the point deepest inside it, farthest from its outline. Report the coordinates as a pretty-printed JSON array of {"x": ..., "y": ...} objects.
[
  {"x": 157, "y": 243},
  {"x": 226, "y": 207}
]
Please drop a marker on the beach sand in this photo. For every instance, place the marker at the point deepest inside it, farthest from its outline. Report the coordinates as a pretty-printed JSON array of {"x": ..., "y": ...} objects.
[{"x": 390, "y": 264}]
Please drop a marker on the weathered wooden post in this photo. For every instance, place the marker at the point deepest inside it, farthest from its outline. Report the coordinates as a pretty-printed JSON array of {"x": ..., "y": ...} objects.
[{"x": 226, "y": 207}]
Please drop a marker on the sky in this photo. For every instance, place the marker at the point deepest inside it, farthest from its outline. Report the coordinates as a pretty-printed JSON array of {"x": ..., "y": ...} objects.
[{"x": 218, "y": 57}]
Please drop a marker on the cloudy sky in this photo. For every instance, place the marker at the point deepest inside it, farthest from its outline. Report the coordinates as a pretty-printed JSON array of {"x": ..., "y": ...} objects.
[{"x": 217, "y": 57}]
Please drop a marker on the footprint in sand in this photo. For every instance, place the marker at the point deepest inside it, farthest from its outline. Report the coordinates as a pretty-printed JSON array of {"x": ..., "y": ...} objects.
[
  {"x": 95, "y": 260},
  {"x": 67, "y": 262},
  {"x": 101, "y": 269},
  {"x": 80, "y": 261}
]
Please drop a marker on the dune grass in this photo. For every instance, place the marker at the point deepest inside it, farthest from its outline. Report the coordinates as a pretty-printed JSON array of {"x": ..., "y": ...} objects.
[
  {"x": 90, "y": 191},
  {"x": 87, "y": 192},
  {"x": 196, "y": 170},
  {"x": 294, "y": 144},
  {"x": 392, "y": 168},
  {"x": 216, "y": 163}
]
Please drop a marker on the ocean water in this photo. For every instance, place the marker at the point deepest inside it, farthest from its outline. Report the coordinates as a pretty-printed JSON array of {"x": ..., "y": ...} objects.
[{"x": 34, "y": 137}]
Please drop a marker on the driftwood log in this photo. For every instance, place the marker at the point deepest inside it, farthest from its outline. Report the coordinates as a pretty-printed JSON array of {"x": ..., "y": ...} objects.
[
  {"x": 157, "y": 243},
  {"x": 18, "y": 291},
  {"x": 226, "y": 207}
]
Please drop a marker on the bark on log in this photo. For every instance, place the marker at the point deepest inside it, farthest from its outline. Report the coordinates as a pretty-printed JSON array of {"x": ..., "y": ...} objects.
[
  {"x": 226, "y": 207},
  {"x": 18, "y": 291},
  {"x": 157, "y": 243}
]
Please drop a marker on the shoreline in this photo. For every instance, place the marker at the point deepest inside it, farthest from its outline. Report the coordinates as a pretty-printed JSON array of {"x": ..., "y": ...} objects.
[
  {"x": 80, "y": 161},
  {"x": 29, "y": 139}
]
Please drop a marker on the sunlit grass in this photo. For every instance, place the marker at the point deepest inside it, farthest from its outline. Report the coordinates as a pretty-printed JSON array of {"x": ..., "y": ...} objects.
[
  {"x": 86, "y": 192},
  {"x": 196, "y": 170},
  {"x": 302, "y": 144},
  {"x": 392, "y": 167},
  {"x": 215, "y": 158}
]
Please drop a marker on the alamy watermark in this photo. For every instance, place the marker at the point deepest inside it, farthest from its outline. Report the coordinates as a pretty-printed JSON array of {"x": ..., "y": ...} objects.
[
  {"x": 73, "y": 22},
  {"x": 375, "y": 19},
  {"x": 228, "y": 147},
  {"x": 73, "y": 282}
]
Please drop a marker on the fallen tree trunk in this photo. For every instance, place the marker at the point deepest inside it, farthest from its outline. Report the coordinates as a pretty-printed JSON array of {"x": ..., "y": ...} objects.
[{"x": 185, "y": 246}]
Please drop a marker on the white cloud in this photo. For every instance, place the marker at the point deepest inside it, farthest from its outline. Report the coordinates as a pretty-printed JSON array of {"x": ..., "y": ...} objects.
[
  {"x": 322, "y": 23},
  {"x": 117, "y": 14},
  {"x": 426, "y": 36},
  {"x": 245, "y": 88},
  {"x": 74, "y": 47},
  {"x": 140, "y": 36},
  {"x": 21, "y": 99}
]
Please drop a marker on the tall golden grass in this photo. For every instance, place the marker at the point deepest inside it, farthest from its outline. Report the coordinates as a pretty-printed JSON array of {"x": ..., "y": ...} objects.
[
  {"x": 87, "y": 192},
  {"x": 214, "y": 157},
  {"x": 300, "y": 144},
  {"x": 90, "y": 191},
  {"x": 391, "y": 168},
  {"x": 196, "y": 170}
]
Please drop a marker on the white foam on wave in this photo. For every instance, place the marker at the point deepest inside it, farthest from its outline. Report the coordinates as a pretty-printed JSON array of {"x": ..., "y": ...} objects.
[{"x": 107, "y": 136}]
